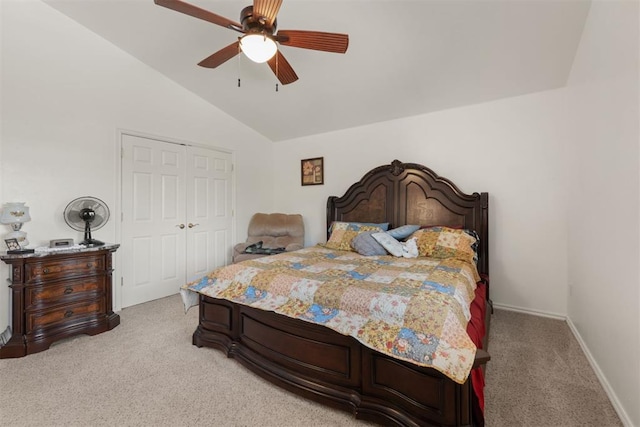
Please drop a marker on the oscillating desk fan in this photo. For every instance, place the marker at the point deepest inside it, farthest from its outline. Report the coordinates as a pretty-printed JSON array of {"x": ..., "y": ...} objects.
[{"x": 85, "y": 214}]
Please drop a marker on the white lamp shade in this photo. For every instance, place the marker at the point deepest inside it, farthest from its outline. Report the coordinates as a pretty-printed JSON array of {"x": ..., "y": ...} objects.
[
  {"x": 15, "y": 212},
  {"x": 258, "y": 48}
]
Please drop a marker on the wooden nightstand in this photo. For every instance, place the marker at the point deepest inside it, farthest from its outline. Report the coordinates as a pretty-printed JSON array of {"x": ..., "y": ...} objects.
[{"x": 58, "y": 294}]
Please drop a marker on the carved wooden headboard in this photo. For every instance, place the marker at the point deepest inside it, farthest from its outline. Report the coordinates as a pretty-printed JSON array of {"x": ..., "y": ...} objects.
[{"x": 408, "y": 193}]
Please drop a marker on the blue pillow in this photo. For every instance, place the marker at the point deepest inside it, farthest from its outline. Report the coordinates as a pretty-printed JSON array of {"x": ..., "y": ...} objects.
[{"x": 403, "y": 232}]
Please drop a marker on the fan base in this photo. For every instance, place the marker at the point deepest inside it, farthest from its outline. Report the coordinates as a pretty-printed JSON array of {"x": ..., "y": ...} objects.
[{"x": 91, "y": 243}]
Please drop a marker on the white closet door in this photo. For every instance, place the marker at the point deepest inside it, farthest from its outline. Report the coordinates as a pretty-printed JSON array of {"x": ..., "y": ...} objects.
[
  {"x": 209, "y": 210},
  {"x": 153, "y": 219}
]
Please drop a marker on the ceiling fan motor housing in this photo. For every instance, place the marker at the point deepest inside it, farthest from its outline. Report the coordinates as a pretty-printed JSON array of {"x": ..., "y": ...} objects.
[{"x": 256, "y": 24}]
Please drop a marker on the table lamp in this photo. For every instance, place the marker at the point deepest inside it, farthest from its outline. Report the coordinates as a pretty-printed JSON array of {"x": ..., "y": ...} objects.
[{"x": 15, "y": 214}]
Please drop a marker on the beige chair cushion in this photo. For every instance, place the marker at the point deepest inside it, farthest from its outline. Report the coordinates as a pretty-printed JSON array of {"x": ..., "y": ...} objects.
[{"x": 275, "y": 230}]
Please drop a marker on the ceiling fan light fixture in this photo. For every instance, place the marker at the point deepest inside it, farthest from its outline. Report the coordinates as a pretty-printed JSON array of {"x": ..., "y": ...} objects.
[{"x": 258, "y": 47}]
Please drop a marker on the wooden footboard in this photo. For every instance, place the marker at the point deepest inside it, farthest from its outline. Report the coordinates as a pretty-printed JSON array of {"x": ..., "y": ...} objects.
[{"x": 321, "y": 364}]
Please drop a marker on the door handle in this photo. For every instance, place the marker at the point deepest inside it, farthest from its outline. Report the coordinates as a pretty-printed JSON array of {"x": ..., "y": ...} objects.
[
  {"x": 192, "y": 225},
  {"x": 180, "y": 226}
]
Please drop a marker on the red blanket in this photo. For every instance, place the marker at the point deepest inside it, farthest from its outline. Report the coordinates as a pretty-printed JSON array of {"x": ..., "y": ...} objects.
[{"x": 477, "y": 330}]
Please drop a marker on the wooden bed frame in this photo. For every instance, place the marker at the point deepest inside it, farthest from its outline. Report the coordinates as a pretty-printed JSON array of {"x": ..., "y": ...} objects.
[{"x": 321, "y": 364}]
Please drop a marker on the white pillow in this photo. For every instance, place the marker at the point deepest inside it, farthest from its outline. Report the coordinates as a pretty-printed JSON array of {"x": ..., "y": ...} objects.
[
  {"x": 389, "y": 243},
  {"x": 410, "y": 248}
]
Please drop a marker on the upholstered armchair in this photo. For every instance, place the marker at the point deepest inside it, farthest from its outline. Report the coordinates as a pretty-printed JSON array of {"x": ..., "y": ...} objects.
[{"x": 275, "y": 230}]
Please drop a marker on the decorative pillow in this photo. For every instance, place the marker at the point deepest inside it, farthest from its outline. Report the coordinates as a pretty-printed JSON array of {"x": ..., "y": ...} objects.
[
  {"x": 457, "y": 227},
  {"x": 384, "y": 226},
  {"x": 366, "y": 245},
  {"x": 342, "y": 233},
  {"x": 445, "y": 242},
  {"x": 401, "y": 233},
  {"x": 389, "y": 243}
]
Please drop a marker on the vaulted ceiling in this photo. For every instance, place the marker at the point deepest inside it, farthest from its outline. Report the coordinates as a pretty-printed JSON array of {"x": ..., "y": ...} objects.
[{"x": 405, "y": 58}]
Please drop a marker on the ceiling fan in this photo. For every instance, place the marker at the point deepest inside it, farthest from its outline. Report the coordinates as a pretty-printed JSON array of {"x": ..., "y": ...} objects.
[{"x": 259, "y": 25}]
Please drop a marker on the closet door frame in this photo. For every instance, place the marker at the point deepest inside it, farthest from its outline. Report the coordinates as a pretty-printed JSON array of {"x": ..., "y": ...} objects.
[{"x": 117, "y": 208}]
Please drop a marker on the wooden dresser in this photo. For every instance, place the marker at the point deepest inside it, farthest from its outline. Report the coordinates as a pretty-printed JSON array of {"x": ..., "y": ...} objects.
[{"x": 55, "y": 295}]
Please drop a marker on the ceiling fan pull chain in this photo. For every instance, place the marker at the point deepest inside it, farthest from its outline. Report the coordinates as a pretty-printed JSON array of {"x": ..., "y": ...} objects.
[{"x": 239, "y": 56}]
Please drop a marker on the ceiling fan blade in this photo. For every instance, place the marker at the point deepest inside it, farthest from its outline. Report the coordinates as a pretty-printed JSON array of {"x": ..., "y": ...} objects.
[
  {"x": 196, "y": 12},
  {"x": 267, "y": 9},
  {"x": 282, "y": 69},
  {"x": 221, "y": 56},
  {"x": 316, "y": 40}
]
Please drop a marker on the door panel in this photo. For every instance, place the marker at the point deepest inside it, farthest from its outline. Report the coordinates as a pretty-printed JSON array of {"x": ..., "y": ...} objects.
[
  {"x": 209, "y": 202},
  {"x": 153, "y": 206}
]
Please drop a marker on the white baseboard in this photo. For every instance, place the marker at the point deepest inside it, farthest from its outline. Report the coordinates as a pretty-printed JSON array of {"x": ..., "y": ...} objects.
[
  {"x": 624, "y": 417},
  {"x": 529, "y": 311}
]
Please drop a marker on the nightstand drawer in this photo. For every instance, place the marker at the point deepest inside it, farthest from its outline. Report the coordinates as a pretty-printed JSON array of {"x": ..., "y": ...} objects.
[
  {"x": 85, "y": 288},
  {"x": 64, "y": 315},
  {"x": 64, "y": 268}
]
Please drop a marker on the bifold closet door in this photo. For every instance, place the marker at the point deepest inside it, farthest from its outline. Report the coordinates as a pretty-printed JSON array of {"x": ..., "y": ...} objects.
[{"x": 177, "y": 215}]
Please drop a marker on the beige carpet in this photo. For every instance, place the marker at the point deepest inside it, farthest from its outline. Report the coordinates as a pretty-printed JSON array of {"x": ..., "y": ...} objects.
[
  {"x": 146, "y": 372},
  {"x": 539, "y": 376}
]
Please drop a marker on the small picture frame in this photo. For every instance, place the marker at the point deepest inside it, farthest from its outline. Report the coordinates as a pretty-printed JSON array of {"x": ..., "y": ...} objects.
[
  {"x": 312, "y": 171},
  {"x": 12, "y": 244}
]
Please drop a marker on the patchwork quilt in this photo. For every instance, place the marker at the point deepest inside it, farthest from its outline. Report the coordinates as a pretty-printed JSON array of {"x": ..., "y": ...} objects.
[{"x": 414, "y": 309}]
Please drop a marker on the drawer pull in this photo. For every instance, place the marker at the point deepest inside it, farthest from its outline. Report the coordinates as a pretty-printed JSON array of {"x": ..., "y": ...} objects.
[
  {"x": 89, "y": 264},
  {"x": 45, "y": 270},
  {"x": 68, "y": 290},
  {"x": 68, "y": 313}
]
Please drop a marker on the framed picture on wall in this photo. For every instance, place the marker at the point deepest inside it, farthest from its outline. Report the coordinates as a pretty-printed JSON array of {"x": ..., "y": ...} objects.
[{"x": 312, "y": 171}]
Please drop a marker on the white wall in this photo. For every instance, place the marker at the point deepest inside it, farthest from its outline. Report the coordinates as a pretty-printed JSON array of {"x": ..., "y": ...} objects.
[
  {"x": 604, "y": 219},
  {"x": 3, "y": 294},
  {"x": 562, "y": 170},
  {"x": 514, "y": 149},
  {"x": 65, "y": 92}
]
